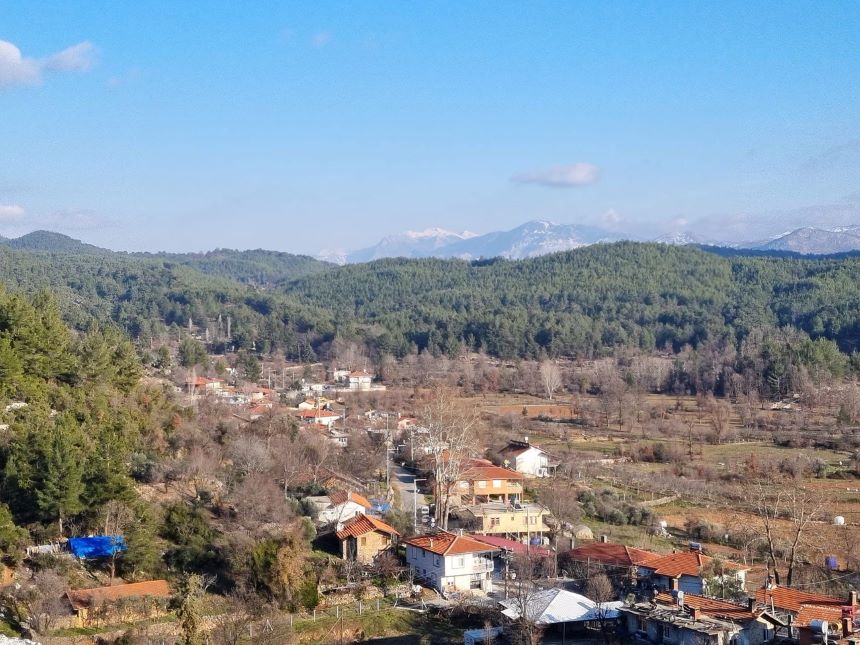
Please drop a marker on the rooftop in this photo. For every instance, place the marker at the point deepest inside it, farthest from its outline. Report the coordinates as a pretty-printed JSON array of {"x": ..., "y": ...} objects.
[
  {"x": 792, "y": 600},
  {"x": 618, "y": 555},
  {"x": 83, "y": 598},
  {"x": 341, "y": 498},
  {"x": 445, "y": 543},
  {"x": 473, "y": 473},
  {"x": 711, "y": 606},
  {"x": 683, "y": 563},
  {"x": 362, "y": 525}
]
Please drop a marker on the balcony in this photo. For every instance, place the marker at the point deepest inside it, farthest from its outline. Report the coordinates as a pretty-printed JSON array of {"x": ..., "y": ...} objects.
[{"x": 482, "y": 565}]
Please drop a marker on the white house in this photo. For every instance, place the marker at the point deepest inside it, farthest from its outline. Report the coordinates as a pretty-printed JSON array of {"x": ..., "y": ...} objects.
[
  {"x": 527, "y": 459},
  {"x": 450, "y": 563},
  {"x": 360, "y": 380},
  {"x": 340, "y": 507},
  {"x": 323, "y": 417}
]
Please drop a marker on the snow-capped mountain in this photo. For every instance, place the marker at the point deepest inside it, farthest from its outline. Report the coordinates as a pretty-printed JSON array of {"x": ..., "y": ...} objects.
[
  {"x": 681, "y": 238},
  {"x": 412, "y": 244},
  {"x": 815, "y": 241},
  {"x": 528, "y": 240}
]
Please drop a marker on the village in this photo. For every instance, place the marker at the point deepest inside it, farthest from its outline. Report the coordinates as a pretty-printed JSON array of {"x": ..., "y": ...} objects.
[{"x": 508, "y": 518}]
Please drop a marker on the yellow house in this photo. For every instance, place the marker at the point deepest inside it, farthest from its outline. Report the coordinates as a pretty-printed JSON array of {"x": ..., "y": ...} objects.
[
  {"x": 363, "y": 538},
  {"x": 509, "y": 520}
]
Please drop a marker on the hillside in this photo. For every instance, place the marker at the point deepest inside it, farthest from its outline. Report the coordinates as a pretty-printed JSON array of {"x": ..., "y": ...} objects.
[{"x": 585, "y": 302}]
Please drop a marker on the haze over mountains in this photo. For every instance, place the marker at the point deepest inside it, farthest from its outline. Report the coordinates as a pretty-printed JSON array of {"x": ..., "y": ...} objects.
[{"x": 540, "y": 237}]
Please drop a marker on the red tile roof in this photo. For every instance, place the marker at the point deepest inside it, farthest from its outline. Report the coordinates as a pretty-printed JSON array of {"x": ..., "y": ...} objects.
[
  {"x": 317, "y": 414},
  {"x": 611, "y": 554},
  {"x": 792, "y": 600},
  {"x": 808, "y": 613},
  {"x": 486, "y": 473},
  {"x": 685, "y": 563},
  {"x": 83, "y": 598},
  {"x": 444, "y": 543},
  {"x": 360, "y": 373},
  {"x": 362, "y": 525},
  {"x": 341, "y": 498},
  {"x": 711, "y": 606}
]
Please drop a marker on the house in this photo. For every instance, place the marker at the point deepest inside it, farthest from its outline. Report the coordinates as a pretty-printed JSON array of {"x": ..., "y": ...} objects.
[
  {"x": 481, "y": 481},
  {"x": 799, "y": 608},
  {"x": 339, "y": 438},
  {"x": 323, "y": 417},
  {"x": 119, "y": 603},
  {"x": 341, "y": 507},
  {"x": 202, "y": 384},
  {"x": 363, "y": 538},
  {"x": 527, "y": 459},
  {"x": 616, "y": 560},
  {"x": 450, "y": 562},
  {"x": 517, "y": 521},
  {"x": 360, "y": 380},
  {"x": 688, "y": 618},
  {"x": 687, "y": 571}
]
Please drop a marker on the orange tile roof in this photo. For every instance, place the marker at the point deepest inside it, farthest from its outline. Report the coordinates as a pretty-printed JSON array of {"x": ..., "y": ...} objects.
[
  {"x": 361, "y": 373},
  {"x": 363, "y": 524},
  {"x": 83, "y": 598},
  {"x": 481, "y": 473},
  {"x": 611, "y": 554},
  {"x": 711, "y": 606},
  {"x": 341, "y": 498},
  {"x": 317, "y": 414},
  {"x": 792, "y": 600},
  {"x": 808, "y": 613},
  {"x": 685, "y": 563},
  {"x": 444, "y": 543}
]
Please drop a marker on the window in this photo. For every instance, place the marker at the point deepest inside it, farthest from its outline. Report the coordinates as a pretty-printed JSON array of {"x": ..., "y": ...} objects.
[
  {"x": 495, "y": 521},
  {"x": 497, "y": 483},
  {"x": 532, "y": 519},
  {"x": 459, "y": 563},
  {"x": 464, "y": 484},
  {"x": 482, "y": 484},
  {"x": 363, "y": 541},
  {"x": 436, "y": 560}
]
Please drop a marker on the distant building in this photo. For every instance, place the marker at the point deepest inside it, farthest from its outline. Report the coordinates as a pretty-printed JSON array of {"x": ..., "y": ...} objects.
[
  {"x": 686, "y": 571},
  {"x": 528, "y": 459},
  {"x": 340, "y": 508},
  {"x": 484, "y": 482},
  {"x": 119, "y": 603},
  {"x": 360, "y": 380}
]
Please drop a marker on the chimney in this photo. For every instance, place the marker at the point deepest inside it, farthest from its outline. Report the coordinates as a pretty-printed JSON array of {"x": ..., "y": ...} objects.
[
  {"x": 847, "y": 625},
  {"x": 674, "y": 584},
  {"x": 694, "y": 613},
  {"x": 751, "y": 604},
  {"x": 604, "y": 539},
  {"x": 852, "y": 598},
  {"x": 431, "y": 543}
]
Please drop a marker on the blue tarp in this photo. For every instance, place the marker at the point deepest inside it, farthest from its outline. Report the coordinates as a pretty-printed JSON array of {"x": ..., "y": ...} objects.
[
  {"x": 380, "y": 506},
  {"x": 99, "y": 546}
]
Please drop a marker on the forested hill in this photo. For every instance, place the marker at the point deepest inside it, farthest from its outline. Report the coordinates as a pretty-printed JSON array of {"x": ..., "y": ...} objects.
[
  {"x": 584, "y": 302},
  {"x": 255, "y": 267}
]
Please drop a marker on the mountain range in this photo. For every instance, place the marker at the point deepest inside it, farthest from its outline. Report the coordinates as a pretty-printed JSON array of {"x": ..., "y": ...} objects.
[{"x": 540, "y": 237}]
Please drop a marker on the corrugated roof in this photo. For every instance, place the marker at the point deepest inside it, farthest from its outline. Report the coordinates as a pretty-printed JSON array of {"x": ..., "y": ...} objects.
[
  {"x": 362, "y": 525},
  {"x": 711, "y": 606},
  {"x": 612, "y": 554},
  {"x": 444, "y": 543},
  {"x": 82, "y": 598},
  {"x": 791, "y": 600}
]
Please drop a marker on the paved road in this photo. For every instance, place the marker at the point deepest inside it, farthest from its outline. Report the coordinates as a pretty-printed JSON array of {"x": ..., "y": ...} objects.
[{"x": 402, "y": 480}]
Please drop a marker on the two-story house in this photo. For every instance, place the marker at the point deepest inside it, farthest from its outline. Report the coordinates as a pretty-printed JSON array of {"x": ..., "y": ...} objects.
[
  {"x": 527, "y": 459},
  {"x": 449, "y": 562},
  {"x": 516, "y": 521},
  {"x": 360, "y": 380},
  {"x": 481, "y": 481}
]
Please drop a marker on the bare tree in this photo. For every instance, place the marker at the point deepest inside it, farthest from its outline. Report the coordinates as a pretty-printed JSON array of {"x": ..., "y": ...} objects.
[
  {"x": 786, "y": 511},
  {"x": 599, "y": 589},
  {"x": 550, "y": 375},
  {"x": 118, "y": 517},
  {"x": 449, "y": 442}
]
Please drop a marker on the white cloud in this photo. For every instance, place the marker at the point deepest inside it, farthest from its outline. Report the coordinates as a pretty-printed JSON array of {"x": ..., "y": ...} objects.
[
  {"x": 321, "y": 39},
  {"x": 612, "y": 217},
  {"x": 17, "y": 69},
  {"x": 11, "y": 212},
  {"x": 578, "y": 174},
  {"x": 679, "y": 223}
]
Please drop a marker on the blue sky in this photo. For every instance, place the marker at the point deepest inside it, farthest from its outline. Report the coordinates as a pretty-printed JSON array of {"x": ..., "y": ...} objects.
[{"x": 301, "y": 126}]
